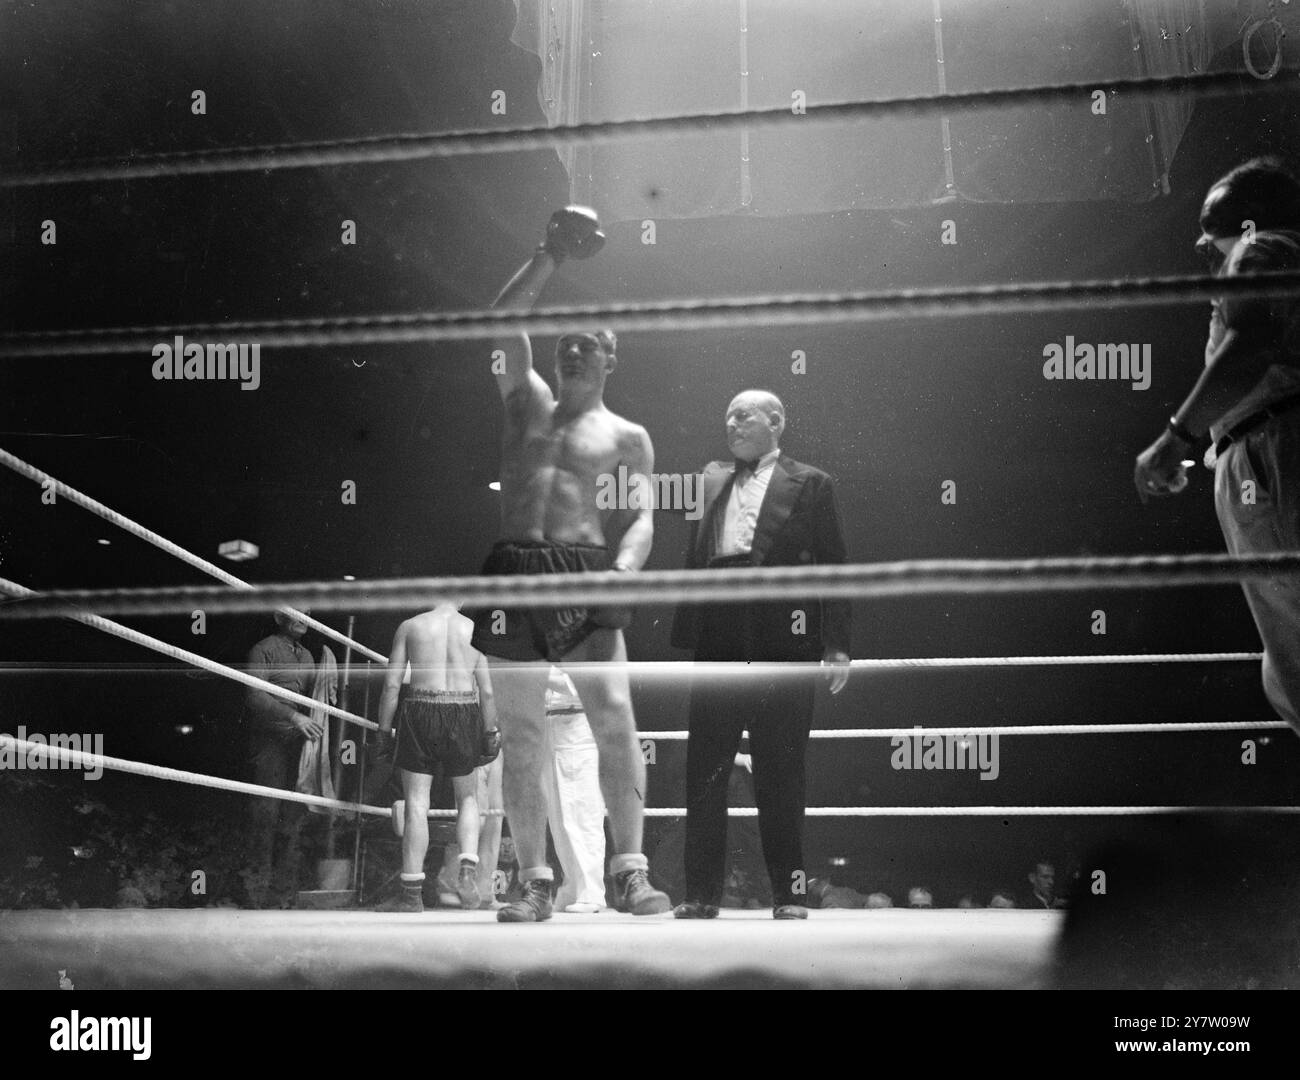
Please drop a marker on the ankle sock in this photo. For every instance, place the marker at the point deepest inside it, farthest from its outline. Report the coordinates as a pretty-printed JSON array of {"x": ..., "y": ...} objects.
[{"x": 621, "y": 864}]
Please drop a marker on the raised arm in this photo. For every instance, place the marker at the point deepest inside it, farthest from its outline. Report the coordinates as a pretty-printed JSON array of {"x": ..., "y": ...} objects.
[
  {"x": 520, "y": 294},
  {"x": 393, "y": 680},
  {"x": 572, "y": 232}
]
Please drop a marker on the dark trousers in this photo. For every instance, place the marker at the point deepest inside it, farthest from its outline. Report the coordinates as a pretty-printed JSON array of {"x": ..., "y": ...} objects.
[
  {"x": 777, "y": 711},
  {"x": 274, "y": 825}
]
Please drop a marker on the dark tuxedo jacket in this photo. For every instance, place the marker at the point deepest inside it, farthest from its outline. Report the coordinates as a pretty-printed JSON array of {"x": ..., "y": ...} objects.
[{"x": 798, "y": 525}]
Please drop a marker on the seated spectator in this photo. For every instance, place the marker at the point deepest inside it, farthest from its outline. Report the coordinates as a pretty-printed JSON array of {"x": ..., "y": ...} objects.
[
  {"x": 1042, "y": 882},
  {"x": 879, "y": 900},
  {"x": 822, "y": 894},
  {"x": 920, "y": 897},
  {"x": 1002, "y": 899}
]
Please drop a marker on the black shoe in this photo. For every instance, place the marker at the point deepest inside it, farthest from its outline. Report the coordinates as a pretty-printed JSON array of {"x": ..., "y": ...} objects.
[
  {"x": 533, "y": 906},
  {"x": 789, "y": 911},
  {"x": 694, "y": 909},
  {"x": 406, "y": 900},
  {"x": 637, "y": 896}
]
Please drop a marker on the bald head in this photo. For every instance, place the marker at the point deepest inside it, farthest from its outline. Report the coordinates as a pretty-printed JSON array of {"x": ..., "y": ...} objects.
[
  {"x": 755, "y": 421},
  {"x": 290, "y": 622}
]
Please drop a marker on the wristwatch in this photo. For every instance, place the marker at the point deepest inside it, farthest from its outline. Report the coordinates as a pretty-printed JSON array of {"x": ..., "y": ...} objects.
[{"x": 1180, "y": 432}]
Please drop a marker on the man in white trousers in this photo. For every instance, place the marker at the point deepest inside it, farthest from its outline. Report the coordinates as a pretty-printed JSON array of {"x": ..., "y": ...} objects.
[{"x": 575, "y": 810}]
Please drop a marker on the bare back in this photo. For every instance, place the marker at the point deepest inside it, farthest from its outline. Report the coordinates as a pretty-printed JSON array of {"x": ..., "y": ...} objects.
[
  {"x": 552, "y": 466},
  {"x": 437, "y": 646}
]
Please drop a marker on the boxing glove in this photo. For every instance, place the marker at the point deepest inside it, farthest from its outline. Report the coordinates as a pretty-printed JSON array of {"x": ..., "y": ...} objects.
[
  {"x": 491, "y": 746},
  {"x": 573, "y": 233}
]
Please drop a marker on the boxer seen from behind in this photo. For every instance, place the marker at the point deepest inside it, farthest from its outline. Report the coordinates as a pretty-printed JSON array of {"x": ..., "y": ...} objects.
[{"x": 446, "y": 720}]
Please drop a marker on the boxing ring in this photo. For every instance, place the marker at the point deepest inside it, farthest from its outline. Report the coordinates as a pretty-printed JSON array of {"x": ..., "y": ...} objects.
[
  {"x": 839, "y": 949},
  {"x": 833, "y": 950},
  {"x": 173, "y": 949}
]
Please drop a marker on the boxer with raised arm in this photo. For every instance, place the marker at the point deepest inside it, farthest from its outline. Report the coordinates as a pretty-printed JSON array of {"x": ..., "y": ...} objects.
[{"x": 555, "y": 449}]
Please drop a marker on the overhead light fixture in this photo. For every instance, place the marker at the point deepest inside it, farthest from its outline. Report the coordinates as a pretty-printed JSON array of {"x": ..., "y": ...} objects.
[
  {"x": 238, "y": 550},
  {"x": 349, "y": 577},
  {"x": 495, "y": 485},
  {"x": 106, "y": 543},
  {"x": 184, "y": 729}
]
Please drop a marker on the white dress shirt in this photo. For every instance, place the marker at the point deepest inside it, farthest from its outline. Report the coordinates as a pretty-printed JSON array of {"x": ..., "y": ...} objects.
[{"x": 746, "y": 500}]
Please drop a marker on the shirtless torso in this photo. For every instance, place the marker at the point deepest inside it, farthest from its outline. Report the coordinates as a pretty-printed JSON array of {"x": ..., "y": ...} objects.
[
  {"x": 436, "y": 645},
  {"x": 553, "y": 457}
]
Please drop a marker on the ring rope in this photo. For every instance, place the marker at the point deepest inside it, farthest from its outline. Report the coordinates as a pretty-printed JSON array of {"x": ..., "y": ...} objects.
[
  {"x": 375, "y": 149},
  {"x": 160, "y": 772},
  {"x": 851, "y": 581},
  {"x": 12, "y": 588},
  {"x": 1013, "y": 729},
  {"x": 123, "y": 522},
  {"x": 778, "y": 309},
  {"x": 682, "y": 669},
  {"x": 890, "y": 663},
  {"x": 86, "y": 758}
]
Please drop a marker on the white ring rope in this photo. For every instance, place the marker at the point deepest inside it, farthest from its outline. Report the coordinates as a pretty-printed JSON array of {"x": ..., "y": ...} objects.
[
  {"x": 85, "y": 759},
  {"x": 686, "y": 669},
  {"x": 891, "y": 663},
  {"x": 12, "y": 588},
  {"x": 410, "y": 147},
  {"x": 123, "y": 522},
  {"x": 1001, "y": 811},
  {"x": 782, "y": 309},
  {"x": 925, "y": 576},
  {"x": 1013, "y": 729}
]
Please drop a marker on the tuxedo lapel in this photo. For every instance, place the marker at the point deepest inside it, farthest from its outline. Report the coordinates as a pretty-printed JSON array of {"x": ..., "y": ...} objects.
[
  {"x": 717, "y": 490},
  {"x": 782, "y": 490}
]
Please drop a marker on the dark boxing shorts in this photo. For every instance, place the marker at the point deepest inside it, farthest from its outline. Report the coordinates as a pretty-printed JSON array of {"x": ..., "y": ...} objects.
[
  {"x": 438, "y": 730},
  {"x": 543, "y": 633}
]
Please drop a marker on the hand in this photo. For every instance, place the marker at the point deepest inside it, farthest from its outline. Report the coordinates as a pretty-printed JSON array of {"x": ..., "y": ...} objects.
[
  {"x": 1159, "y": 468},
  {"x": 384, "y": 745},
  {"x": 573, "y": 232},
  {"x": 308, "y": 727},
  {"x": 837, "y": 670}
]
